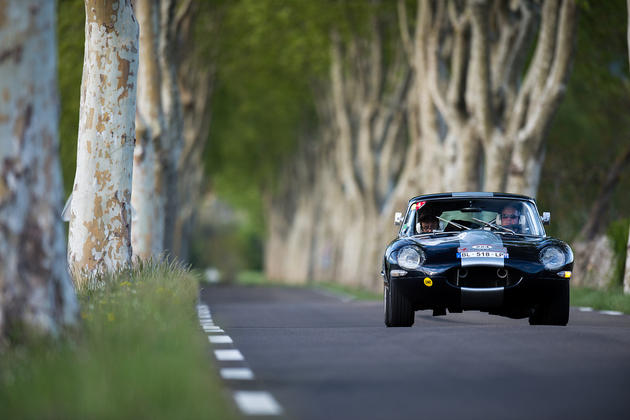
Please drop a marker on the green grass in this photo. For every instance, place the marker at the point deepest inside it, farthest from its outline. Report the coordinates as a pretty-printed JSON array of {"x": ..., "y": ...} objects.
[
  {"x": 253, "y": 278},
  {"x": 138, "y": 354},
  {"x": 612, "y": 299},
  {"x": 354, "y": 292},
  {"x": 257, "y": 278}
]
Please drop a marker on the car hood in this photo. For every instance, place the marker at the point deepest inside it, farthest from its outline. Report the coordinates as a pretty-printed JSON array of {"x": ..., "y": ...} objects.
[{"x": 444, "y": 250}]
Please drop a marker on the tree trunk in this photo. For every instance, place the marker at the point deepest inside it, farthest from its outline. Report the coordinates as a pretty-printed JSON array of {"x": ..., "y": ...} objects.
[
  {"x": 275, "y": 245},
  {"x": 36, "y": 293},
  {"x": 196, "y": 85},
  {"x": 172, "y": 139},
  {"x": 99, "y": 236},
  {"x": 148, "y": 196}
]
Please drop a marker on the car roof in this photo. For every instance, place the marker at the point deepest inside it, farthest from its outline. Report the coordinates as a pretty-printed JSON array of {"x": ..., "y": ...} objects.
[{"x": 472, "y": 194}]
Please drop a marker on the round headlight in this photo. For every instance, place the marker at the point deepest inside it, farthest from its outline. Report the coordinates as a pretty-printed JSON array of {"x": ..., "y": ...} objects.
[
  {"x": 552, "y": 257},
  {"x": 410, "y": 258}
]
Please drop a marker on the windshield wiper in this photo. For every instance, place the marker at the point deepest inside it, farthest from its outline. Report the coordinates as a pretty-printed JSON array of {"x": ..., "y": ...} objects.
[
  {"x": 457, "y": 225},
  {"x": 492, "y": 225}
]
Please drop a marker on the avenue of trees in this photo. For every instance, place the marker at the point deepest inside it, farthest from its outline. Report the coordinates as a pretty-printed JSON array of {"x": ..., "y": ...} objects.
[
  {"x": 320, "y": 206},
  {"x": 449, "y": 102},
  {"x": 326, "y": 117},
  {"x": 129, "y": 58}
]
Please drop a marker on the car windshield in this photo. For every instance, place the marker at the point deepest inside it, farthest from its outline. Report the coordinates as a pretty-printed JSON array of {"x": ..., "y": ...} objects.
[{"x": 507, "y": 216}]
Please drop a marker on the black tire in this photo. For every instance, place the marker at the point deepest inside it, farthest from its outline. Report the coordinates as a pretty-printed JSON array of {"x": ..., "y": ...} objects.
[
  {"x": 554, "y": 311},
  {"x": 398, "y": 311}
]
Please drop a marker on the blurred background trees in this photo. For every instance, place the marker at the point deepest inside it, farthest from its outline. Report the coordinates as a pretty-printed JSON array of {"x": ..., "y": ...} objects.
[{"x": 269, "y": 136}]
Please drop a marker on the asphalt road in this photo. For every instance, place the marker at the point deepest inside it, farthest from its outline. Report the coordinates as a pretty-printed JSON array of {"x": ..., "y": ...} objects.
[{"x": 323, "y": 358}]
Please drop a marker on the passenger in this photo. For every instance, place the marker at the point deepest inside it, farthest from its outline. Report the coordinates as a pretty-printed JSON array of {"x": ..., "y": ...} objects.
[
  {"x": 428, "y": 223},
  {"x": 510, "y": 218}
]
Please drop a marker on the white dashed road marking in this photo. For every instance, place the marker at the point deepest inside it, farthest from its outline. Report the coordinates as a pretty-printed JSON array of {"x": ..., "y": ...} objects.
[
  {"x": 254, "y": 403},
  {"x": 611, "y": 312},
  {"x": 237, "y": 373},
  {"x": 220, "y": 339},
  {"x": 228, "y": 355},
  {"x": 603, "y": 312},
  {"x": 212, "y": 329},
  {"x": 257, "y": 403}
]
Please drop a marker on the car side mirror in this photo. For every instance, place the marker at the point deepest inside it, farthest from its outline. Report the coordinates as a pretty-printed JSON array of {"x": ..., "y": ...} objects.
[
  {"x": 546, "y": 217},
  {"x": 398, "y": 218}
]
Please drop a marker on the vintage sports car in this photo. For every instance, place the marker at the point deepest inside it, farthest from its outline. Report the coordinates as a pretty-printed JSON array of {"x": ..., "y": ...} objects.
[{"x": 476, "y": 251}]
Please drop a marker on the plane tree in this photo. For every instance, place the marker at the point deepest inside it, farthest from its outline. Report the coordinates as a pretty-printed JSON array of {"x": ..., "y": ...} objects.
[
  {"x": 99, "y": 238},
  {"x": 36, "y": 292}
]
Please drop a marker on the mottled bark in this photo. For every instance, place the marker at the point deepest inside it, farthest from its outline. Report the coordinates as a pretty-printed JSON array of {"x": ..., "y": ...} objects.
[
  {"x": 148, "y": 196},
  {"x": 99, "y": 236},
  {"x": 35, "y": 289}
]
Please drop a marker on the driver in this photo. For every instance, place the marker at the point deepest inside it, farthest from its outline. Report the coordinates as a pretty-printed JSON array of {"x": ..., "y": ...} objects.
[
  {"x": 428, "y": 223},
  {"x": 510, "y": 218}
]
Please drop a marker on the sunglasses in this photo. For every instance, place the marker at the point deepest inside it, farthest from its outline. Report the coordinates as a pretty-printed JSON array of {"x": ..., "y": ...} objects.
[{"x": 509, "y": 216}]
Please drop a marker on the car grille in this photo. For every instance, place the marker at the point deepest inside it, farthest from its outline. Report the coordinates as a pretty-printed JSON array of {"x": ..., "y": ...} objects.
[{"x": 483, "y": 277}]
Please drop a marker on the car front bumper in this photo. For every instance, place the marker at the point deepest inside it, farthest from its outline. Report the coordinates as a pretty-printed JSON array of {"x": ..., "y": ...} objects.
[{"x": 516, "y": 300}]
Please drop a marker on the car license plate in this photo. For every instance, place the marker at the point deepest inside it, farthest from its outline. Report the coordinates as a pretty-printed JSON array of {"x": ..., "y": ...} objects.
[{"x": 483, "y": 254}]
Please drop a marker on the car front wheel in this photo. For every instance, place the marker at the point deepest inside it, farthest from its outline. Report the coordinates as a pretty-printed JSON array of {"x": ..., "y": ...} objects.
[
  {"x": 398, "y": 311},
  {"x": 554, "y": 311}
]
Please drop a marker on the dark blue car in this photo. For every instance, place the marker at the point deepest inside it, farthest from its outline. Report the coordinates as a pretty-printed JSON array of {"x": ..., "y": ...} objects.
[{"x": 476, "y": 251}]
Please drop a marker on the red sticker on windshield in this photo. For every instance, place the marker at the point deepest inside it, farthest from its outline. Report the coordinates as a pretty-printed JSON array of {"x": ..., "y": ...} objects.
[{"x": 420, "y": 204}]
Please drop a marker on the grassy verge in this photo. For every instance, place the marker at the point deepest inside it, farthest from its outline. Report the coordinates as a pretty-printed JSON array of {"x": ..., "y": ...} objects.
[
  {"x": 256, "y": 278},
  {"x": 612, "y": 299},
  {"x": 139, "y": 354}
]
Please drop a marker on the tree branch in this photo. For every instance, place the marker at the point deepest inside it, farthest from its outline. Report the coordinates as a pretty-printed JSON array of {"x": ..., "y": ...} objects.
[
  {"x": 478, "y": 95},
  {"x": 598, "y": 212},
  {"x": 455, "y": 91},
  {"x": 403, "y": 26},
  {"x": 345, "y": 163}
]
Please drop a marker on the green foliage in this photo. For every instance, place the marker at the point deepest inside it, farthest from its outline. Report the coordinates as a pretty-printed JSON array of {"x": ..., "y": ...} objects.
[
  {"x": 140, "y": 355},
  {"x": 272, "y": 58},
  {"x": 268, "y": 54},
  {"x": 618, "y": 234},
  {"x": 70, "y": 38},
  {"x": 592, "y": 125}
]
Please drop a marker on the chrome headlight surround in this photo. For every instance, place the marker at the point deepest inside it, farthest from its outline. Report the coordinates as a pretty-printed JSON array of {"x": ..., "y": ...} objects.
[
  {"x": 410, "y": 257},
  {"x": 553, "y": 257}
]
